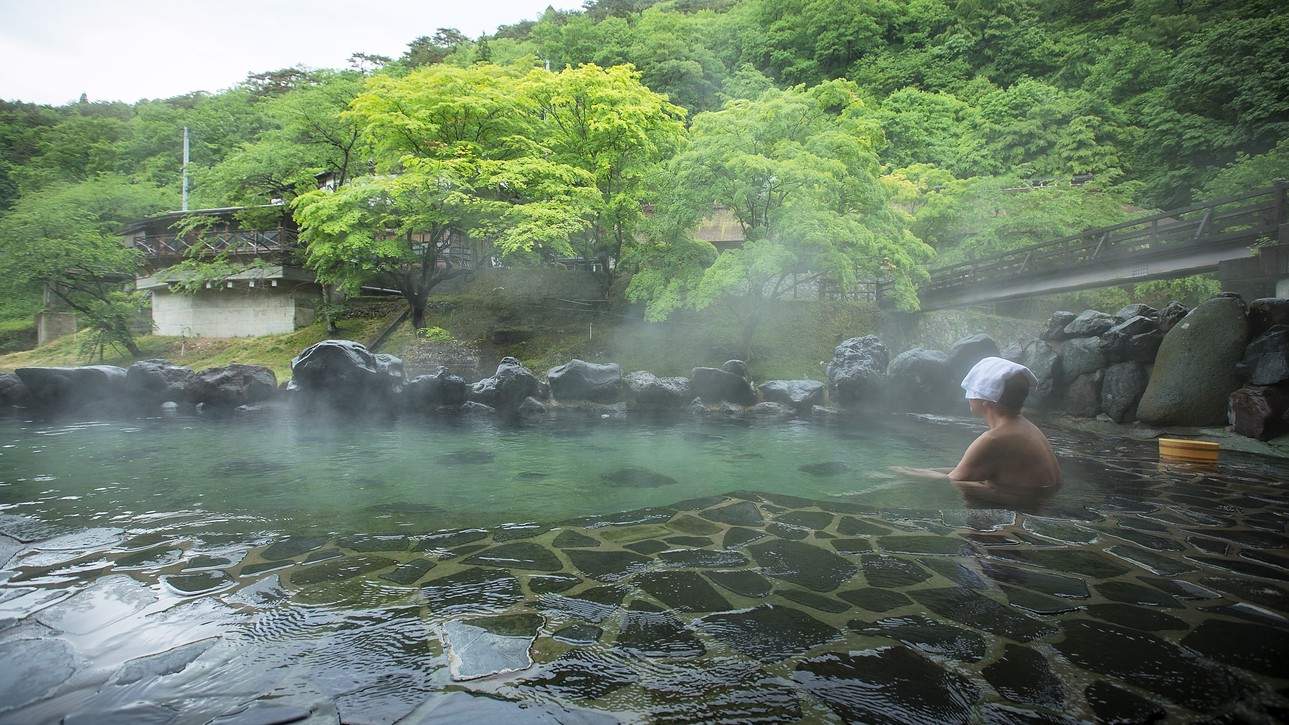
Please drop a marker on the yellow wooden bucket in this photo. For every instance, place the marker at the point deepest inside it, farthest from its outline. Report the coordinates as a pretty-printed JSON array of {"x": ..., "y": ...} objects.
[{"x": 1185, "y": 451}]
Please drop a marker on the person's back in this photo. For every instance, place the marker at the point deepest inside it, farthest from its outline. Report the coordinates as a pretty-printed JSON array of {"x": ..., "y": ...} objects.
[{"x": 1012, "y": 454}]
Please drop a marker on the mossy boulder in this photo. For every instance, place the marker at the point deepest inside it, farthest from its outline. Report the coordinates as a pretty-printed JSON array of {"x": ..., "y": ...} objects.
[{"x": 1195, "y": 370}]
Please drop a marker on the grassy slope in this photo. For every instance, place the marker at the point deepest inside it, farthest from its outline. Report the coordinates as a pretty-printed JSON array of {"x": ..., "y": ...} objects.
[
  {"x": 794, "y": 340},
  {"x": 273, "y": 351}
]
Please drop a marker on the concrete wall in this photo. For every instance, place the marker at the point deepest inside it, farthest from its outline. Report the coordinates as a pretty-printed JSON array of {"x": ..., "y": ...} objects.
[
  {"x": 237, "y": 312},
  {"x": 1265, "y": 274},
  {"x": 52, "y": 325}
]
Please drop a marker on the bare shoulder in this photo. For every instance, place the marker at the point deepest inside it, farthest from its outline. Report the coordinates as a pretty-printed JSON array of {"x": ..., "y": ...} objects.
[
  {"x": 980, "y": 461},
  {"x": 1015, "y": 454}
]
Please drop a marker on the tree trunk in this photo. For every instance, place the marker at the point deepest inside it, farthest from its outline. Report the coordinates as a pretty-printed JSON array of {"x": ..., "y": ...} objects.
[
  {"x": 329, "y": 306},
  {"x": 749, "y": 330},
  {"x": 418, "y": 316}
]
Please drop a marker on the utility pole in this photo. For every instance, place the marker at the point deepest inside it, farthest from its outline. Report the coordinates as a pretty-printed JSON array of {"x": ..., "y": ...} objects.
[{"x": 185, "y": 171}]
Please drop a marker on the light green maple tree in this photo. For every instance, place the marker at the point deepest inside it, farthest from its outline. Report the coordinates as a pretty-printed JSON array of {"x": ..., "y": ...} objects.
[{"x": 798, "y": 171}]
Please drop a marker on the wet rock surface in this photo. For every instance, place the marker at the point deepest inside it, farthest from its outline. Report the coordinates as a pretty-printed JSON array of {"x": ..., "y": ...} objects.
[
  {"x": 856, "y": 374},
  {"x": 345, "y": 372},
  {"x": 801, "y": 395},
  {"x": 507, "y": 388},
  {"x": 1205, "y": 346},
  {"x": 55, "y": 388},
  {"x": 153, "y": 382},
  {"x": 232, "y": 385},
  {"x": 726, "y": 383},
  {"x": 1167, "y": 600},
  {"x": 581, "y": 380}
]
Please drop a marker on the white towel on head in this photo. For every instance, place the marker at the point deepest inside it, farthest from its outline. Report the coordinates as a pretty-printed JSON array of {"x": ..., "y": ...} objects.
[{"x": 986, "y": 379}]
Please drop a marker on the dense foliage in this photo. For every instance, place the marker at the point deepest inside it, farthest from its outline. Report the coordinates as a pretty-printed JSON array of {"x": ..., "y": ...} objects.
[{"x": 851, "y": 139}]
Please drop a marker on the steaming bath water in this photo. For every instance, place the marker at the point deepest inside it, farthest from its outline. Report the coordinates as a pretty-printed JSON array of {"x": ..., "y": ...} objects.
[
  {"x": 293, "y": 475},
  {"x": 274, "y": 568}
]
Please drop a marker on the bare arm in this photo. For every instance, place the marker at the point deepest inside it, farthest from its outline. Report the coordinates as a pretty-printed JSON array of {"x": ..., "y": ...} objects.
[
  {"x": 976, "y": 464},
  {"x": 936, "y": 473}
]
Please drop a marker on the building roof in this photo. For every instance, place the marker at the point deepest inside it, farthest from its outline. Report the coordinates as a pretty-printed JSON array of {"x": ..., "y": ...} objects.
[{"x": 170, "y": 217}]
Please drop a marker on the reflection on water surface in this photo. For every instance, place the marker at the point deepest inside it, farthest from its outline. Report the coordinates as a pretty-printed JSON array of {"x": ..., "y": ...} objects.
[{"x": 275, "y": 570}]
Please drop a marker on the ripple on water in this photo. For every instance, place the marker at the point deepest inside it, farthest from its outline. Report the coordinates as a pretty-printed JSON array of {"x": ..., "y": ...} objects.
[
  {"x": 888, "y": 685},
  {"x": 651, "y": 633},
  {"x": 724, "y": 691},
  {"x": 1150, "y": 663},
  {"x": 472, "y": 590},
  {"x": 768, "y": 632},
  {"x": 828, "y": 468},
  {"x": 927, "y": 635},
  {"x": 352, "y": 666},
  {"x": 253, "y": 467},
  {"x": 286, "y": 623}
]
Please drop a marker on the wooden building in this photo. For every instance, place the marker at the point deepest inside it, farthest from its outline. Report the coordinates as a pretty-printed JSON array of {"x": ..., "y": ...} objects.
[{"x": 269, "y": 292}]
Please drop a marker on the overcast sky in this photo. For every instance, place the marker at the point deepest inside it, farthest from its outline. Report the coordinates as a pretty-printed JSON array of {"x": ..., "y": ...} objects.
[{"x": 126, "y": 50}]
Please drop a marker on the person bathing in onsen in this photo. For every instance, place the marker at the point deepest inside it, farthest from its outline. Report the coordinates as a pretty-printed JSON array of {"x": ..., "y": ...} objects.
[{"x": 1012, "y": 463}]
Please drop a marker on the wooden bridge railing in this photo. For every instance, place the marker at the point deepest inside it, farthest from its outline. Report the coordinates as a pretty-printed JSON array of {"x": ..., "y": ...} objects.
[
  {"x": 1248, "y": 216},
  {"x": 240, "y": 242}
]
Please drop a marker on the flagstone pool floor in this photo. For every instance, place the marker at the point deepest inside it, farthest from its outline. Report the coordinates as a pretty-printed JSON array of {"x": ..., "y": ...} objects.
[{"x": 1165, "y": 601}]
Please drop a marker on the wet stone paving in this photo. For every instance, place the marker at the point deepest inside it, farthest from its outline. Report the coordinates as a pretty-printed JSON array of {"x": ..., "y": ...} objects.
[{"x": 1166, "y": 601}]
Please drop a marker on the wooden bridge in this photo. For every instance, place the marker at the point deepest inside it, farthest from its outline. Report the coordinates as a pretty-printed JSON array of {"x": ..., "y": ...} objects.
[{"x": 1171, "y": 244}]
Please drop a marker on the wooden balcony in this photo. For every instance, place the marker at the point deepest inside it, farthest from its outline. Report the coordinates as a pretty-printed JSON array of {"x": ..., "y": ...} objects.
[{"x": 236, "y": 243}]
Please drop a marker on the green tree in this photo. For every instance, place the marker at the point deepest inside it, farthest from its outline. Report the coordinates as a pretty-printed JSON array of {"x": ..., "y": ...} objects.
[
  {"x": 921, "y": 52},
  {"x": 1004, "y": 39},
  {"x": 21, "y": 125},
  {"x": 432, "y": 49},
  {"x": 152, "y": 149},
  {"x": 798, "y": 170},
  {"x": 1247, "y": 173},
  {"x": 1036, "y": 131},
  {"x": 267, "y": 84},
  {"x": 610, "y": 126},
  {"x": 309, "y": 136},
  {"x": 676, "y": 56},
  {"x": 219, "y": 124},
  {"x": 67, "y": 239},
  {"x": 931, "y": 128},
  {"x": 601, "y": 9},
  {"x": 456, "y": 155},
  {"x": 1227, "y": 93},
  {"x": 973, "y": 218},
  {"x": 745, "y": 82},
  {"x": 83, "y": 144}
]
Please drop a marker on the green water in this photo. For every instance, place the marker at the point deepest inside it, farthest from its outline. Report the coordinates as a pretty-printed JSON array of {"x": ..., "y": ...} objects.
[{"x": 290, "y": 474}]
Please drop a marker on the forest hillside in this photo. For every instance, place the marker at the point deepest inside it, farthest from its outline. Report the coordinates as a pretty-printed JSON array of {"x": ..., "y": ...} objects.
[{"x": 849, "y": 142}]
